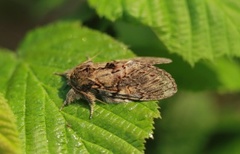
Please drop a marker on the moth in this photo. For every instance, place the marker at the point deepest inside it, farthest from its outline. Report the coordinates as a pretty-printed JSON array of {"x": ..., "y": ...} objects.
[{"x": 119, "y": 81}]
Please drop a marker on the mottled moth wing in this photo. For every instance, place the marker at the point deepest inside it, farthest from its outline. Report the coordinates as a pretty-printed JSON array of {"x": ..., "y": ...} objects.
[
  {"x": 137, "y": 80},
  {"x": 152, "y": 60},
  {"x": 119, "y": 81}
]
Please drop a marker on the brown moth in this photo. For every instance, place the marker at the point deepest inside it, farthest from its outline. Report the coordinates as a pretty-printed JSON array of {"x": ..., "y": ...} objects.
[{"x": 119, "y": 81}]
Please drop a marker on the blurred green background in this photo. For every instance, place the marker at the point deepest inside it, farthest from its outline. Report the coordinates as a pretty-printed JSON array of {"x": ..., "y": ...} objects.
[{"x": 204, "y": 117}]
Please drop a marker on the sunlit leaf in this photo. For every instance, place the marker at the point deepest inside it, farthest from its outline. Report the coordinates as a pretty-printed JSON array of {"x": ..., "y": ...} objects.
[{"x": 35, "y": 95}]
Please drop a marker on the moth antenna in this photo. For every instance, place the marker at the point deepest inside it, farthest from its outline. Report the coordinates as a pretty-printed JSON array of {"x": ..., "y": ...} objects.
[{"x": 91, "y": 58}]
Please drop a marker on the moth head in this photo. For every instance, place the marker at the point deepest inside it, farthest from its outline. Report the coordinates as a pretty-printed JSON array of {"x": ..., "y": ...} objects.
[{"x": 81, "y": 71}]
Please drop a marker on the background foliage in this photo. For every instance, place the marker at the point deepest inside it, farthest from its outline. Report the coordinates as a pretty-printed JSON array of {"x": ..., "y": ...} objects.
[{"x": 201, "y": 37}]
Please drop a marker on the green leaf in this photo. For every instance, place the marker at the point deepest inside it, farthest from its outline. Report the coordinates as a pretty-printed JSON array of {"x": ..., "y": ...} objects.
[
  {"x": 194, "y": 29},
  {"x": 9, "y": 141},
  {"x": 35, "y": 95},
  {"x": 228, "y": 73}
]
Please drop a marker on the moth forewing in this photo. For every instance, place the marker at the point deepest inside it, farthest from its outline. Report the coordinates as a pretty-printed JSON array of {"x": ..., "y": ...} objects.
[
  {"x": 119, "y": 81},
  {"x": 153, "y": 60}
]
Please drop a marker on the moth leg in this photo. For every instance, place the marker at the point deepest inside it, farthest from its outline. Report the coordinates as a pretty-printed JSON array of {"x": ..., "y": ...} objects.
[
  {"x": 91, "y": 100},
  {"x": 92, "y": 104},
  {"x": 71, "y": 96},
  {"x": 101, "y": 101}
]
